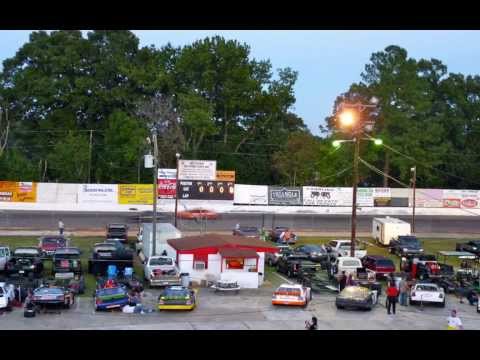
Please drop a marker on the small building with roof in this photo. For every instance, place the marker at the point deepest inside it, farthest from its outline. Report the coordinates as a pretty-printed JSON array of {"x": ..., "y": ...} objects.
[{"x": 212, "y": 257}]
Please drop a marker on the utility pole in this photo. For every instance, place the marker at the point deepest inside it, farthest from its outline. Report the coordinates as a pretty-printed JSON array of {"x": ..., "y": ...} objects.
[
  {"x": 90, "y": 156},
  {"x": 354, "y": 196},
  {"x": 177, "y": 155},
  {"x": 155, "y": 190},
  {"x": 414, "y": 183}
]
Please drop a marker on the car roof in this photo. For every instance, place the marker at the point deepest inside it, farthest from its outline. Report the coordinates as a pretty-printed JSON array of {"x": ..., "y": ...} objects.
[
  {"x": 378, "y": 257},
  {"x": 67, "y": 250},
  {"x": 295, "y": 286}
]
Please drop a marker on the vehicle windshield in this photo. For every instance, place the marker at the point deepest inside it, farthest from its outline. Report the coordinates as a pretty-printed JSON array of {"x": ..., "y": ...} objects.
[
  {"x": 384, "y": 262},
  {"x": 356, "y": 291},
  {"x": 20, "y": 252},
  {"x": 161, "y": 261},
  {"x": 427, "y": 288},
  {"x": 174, "y": 292},
  {"x": 111, "y": 291},
  {"x": 47, "y": 290},
  {"x": 351, "y": 263},
  {"x": 409, "y": 240},
  {"x": 53, "y": 241}
]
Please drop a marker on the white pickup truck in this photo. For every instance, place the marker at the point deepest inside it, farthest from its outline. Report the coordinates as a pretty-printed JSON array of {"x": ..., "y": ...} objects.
[
  {"x": 161, "y": 271},
  {"x": 4, "y": 256},
  {"x": 342, "y": 248}
]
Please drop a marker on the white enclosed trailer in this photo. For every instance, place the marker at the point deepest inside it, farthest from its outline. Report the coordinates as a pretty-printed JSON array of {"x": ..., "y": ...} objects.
[
  {"x": 386, "y": 229},
  {"x": 165, "y": 231}
]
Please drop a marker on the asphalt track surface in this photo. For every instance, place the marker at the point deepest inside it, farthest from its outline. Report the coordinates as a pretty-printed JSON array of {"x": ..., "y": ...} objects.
[{"x": 48, "y": 220}]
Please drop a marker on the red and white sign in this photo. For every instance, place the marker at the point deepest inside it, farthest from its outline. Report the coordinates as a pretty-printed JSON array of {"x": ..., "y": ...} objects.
[{"x": 166, "y": 188}]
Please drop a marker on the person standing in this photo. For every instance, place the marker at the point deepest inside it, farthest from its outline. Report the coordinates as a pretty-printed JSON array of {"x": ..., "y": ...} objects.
[
  {"x": 61, "y": 226},
  {"x": 311, "y": 325},
  {"x": 343, "y": 281},
  {"x": 403, "y": 292},
  {"x": 454, "y": 322},
  {"x": 392, "y": 294}
]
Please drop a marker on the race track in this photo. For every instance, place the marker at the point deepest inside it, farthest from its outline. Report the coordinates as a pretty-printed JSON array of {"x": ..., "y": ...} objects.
[{"x": 48, "y": 220}]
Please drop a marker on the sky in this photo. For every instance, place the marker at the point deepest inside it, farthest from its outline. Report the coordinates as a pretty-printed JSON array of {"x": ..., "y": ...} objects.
[{"x": 327, "y": 61}]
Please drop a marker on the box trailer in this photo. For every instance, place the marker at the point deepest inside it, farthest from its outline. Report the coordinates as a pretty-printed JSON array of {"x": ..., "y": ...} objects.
[
  {"x": 164, "y": 232},
  {"x": 386, "y": 229}
]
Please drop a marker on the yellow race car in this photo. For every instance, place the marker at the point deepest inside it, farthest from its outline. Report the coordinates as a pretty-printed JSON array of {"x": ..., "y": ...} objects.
[{"x": 177, "y": 298}]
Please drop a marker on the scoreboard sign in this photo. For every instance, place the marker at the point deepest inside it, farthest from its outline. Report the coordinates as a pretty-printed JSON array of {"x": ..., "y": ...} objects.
[{"x": 206, "y": 190}]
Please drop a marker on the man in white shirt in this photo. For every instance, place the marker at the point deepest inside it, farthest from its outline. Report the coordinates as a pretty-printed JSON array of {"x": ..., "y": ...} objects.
[
  {"x": 61, "y": 226},
  {"x": 454, "y": 322}
]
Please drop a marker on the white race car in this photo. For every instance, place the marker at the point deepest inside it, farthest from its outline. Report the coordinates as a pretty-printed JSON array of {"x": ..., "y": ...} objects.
[
  {"x": 7, "y": 295},
  {"x": 427, "y": 293},
  {"x": 292, "y": 294}
]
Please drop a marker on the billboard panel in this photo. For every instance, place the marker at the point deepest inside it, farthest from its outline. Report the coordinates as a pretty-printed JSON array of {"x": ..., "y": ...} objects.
[
  {"x": 167, "y": 173},
  {"x": 285, "y": 196},
  {"x": 98, "y": 193},
  {"x": 166, "y": 188},
  {"x": 251, "y": 194},
  {"x": 206, "y": 190},
  {"x": 140, "y": 194},
  {"x": 225, "y": 175},
  {"x": 327, "y": 196},
  {"x": 197, "y": 170},
  {"x": 13, "y": 191}
]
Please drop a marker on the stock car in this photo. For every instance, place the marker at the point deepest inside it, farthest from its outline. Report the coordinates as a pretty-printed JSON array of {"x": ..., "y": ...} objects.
[
  {"x": 357, "y": 297},
  {"x": 292, "y": 295},
  {"x": 110, "y": 298},
  {"x": 53, "y": 295},
  {"x": 247, "y": 231},
  {"x": 427, "y": 293},
  {"x": 177, "y": 298},
  {"x": 7, "y": 295}
]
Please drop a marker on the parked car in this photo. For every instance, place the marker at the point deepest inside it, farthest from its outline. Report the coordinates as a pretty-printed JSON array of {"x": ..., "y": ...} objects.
[
  {"x": 282, "y": 234},
  {"x": 315, "y": 253},
  {"x": 4, "y": 256},
  {"x": 7, "y": 295},
  {"x": 342, "y": 248},
  {"x": 382, "y": 265},
  {"x": 406, "y": 245},
  {"x": 272, "y": 258},
  {"x": 177, "y": 298},
  {"x": 105, "y": 254},
  {"x": 356, "y": 297},
  {"x": 427, "y": 293},
  {"x": 292, "y": 264},
  {"x": 48, "y": 244},
  {"x": 473, "y": 246},
  {"x": 247, "y": 231},
  {"x": 53, "y": 295},
  {"x": 67, "y": 260},
  {"x": 197, "y": 214},
  {"x": 110, "y": 298},
  {"x": 292, "y": 295},
  {"x": 161, "y": 271},
  {"x": 26, "y": 261},
  {"x": 119, "y": 231}
]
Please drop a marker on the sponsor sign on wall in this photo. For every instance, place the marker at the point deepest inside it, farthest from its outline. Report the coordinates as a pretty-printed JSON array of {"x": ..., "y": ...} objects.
[
  {"x": 206, "y": 190},
  {"x": 166, "y": 188},
  {"x": 365, "y": 197},
  {"x": 13, "y": 191},
  {"x": 327, "y": 196},
  {"x": 428, "y": 198},
  {"x": 285, "y": 196},
  {"x": 461, "y": 199},
  {"x": 251, "y": 194},
  {"x": 382, "y": 196},
  {"x": 225, "y": 175},
  {"x": 197, "y": 170},
  {"x": 167, "y": 173},
  {"x": 140, "y": 194},
  {"x": 97, "y": 193}
]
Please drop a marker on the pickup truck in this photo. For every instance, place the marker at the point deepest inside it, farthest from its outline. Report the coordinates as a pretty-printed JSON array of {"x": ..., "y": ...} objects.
[
  {"x": 161, "y": 271},
  {"x": 406, "y": 245},
  {"x": 353, "y": 266},
  {"x": 473, "y": 246},
  {"x": 342, "y": 248},
  {"x": 293, "y": 264},
  {"x": 272, "y": 258},
  {"x": 26, "y": 261},
  {"x": 4, "y": 257}
]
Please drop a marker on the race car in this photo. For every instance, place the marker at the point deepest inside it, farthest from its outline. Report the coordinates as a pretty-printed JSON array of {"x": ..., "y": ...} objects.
[
  {"x": 197, "y": 214},
  {"x": 292, "y": 295},
  {"x": 427, "y": 293},
  {"x": 177, "y": 298},
  {"x": 53, "y": 295},
  {"x": 356, "y": 297},
  {"x": 110, "y": 298}
]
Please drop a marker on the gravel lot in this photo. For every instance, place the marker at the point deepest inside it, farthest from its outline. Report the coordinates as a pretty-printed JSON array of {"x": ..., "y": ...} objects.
[{"x": 251, "y": 309}]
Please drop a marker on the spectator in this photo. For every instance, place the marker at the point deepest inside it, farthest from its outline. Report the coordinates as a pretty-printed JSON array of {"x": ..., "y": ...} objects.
[
  {"x": 392, "y": 294},
  {"x": 403, "y": 292},
  {"x": 350, "y": 280},
  {"x": 311, "y": 325},
  {"x": 472, "y": 297},
  {"x": 343, "y": 281},
  {"x": 61, "y": 226},
  {"x": 454, "y": 322},
  {"x": 164, "y": 253}
]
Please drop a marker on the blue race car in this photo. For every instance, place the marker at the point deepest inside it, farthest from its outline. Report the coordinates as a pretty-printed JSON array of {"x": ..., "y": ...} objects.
[{"x": 110, "y": 298}]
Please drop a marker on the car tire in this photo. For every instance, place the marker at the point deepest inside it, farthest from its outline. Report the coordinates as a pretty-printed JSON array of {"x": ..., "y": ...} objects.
[
  {"x": 412, "y": 302},
  {"x": 442, "y": 305}
]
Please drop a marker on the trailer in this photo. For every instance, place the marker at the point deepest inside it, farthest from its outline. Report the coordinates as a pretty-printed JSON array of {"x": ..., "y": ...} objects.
[
  {"x": 387, "y": 229},
  {"x": 164, "y": 231}
]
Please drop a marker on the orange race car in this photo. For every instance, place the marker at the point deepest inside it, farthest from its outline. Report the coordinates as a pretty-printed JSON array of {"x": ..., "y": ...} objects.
[
  {"x": 292, "y": 294},
  {"x": 197, "y": 214}
]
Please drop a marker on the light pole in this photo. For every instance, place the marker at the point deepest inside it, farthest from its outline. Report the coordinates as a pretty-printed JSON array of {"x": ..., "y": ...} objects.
[
  {"x": 351, "y": 119},
  {"x": 155, "y": 190},
  {"x": 177, "y": 155},
  {"x": 413, "y": 170}
]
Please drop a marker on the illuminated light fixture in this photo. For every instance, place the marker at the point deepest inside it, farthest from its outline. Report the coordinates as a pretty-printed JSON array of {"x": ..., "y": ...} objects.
[
  {"x": 336, "y": 143},
  {"x": 347, "y": 118},
  {"x": 378, "y": 141}
]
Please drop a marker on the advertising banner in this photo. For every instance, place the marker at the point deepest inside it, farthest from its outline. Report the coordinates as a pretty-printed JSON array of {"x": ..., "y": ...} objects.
[
  {"x": 327, "y": 196},
  {"x": 139, "y": 194},
  {"x": 251, "y": 194},
  {"x": 469, "y": 199},
  {"x": 225, "y": 175},
  {"x": 382, "y": 196},
  {"x": 365, "y": 197},
  {"x": 166, "y": 188},
  {"x": 206, "y": 190},
  {"x": 98, "y": 193},
  {"x": 13, "y": 191},
  {"x": 197, "y": 170},
  {"x": 285, "y": 196},
  {"x": 167, "y": 173},
  {"x": 428, "y": 198}
]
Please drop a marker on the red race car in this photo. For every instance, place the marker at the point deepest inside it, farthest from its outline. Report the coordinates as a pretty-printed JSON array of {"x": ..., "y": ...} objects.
[{"x": 197, "y": 214}]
